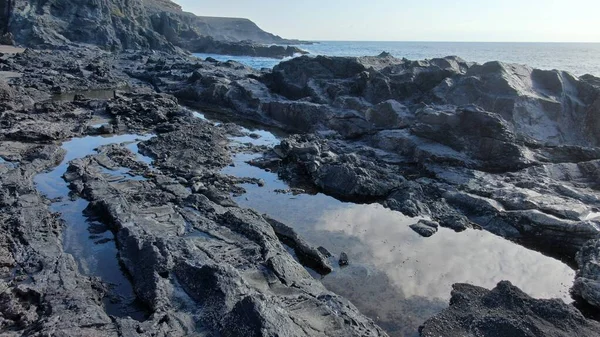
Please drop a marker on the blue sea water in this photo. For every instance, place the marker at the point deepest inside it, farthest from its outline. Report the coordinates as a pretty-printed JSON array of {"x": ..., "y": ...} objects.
[{"x": 577, "y": 58}]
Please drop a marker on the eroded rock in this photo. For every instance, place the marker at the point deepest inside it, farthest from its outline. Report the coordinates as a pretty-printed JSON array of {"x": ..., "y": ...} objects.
[{"x": 506, "y": 311}]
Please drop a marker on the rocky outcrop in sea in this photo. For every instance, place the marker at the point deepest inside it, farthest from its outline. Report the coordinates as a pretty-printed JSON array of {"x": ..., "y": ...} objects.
[{"x": 209, "y": 45}]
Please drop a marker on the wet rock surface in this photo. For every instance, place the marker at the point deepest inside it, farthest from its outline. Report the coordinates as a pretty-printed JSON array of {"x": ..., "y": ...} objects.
[
  {"x": 39, "y": 282},
  {"x": 587, "y": 281},
  {"x": 178, "y": 246},
  {"x": 495, "y": 146},
  {"x": 491, "y": 146},
  {"x": 197, "y": 262}
]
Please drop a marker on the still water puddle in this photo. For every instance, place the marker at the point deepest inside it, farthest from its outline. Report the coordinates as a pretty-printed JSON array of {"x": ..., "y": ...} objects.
[
  {"x": 89, "y": 241},
  {"x": 395, "y": 276}
]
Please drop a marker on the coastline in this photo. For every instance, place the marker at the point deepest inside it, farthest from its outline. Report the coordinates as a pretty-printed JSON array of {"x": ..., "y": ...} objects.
[
  {"x": 143, "y": 194},
  {"x": 176, "y": 178}
]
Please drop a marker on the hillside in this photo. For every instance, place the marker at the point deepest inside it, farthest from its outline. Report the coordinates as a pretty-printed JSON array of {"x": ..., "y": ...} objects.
[{"x": 120, "y": 24}]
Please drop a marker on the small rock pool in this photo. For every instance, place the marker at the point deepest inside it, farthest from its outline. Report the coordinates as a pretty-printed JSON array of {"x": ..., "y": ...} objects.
[
  {"x": 88, "y": 240},
  {"x": 395, "y": 276}
]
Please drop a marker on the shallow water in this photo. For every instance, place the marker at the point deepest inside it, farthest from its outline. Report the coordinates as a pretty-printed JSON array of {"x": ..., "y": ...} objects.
[
  {"x": 89, "y": 241},
  {"x": 395, "y": 276}
]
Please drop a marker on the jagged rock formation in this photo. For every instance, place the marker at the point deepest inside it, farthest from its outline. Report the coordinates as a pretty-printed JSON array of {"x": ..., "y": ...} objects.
[
  {"x": 135, "y": 24},
  {"x": 587, "y": 281},
  {"x": 112, "y": 24},
  {"x": 502, "y": 147},
  {"x": 506, "y": 311},
  {"x": 246, "y": 48},
  {"x": 198, "y": 264}
]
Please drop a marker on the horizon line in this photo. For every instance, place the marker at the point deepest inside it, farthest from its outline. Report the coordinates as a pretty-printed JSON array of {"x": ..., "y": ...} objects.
[{"x": 448, "y": 41}]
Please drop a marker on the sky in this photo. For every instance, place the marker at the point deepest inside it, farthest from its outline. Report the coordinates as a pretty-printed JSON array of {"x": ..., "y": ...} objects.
[{"x": 415, "y": 20}]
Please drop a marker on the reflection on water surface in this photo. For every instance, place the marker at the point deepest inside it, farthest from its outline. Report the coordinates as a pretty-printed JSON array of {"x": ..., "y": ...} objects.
[{"x": 395, "y": 276}]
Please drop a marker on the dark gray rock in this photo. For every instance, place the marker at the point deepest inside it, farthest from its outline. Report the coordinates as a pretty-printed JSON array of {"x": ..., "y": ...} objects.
[
  {"x": 389, "y": 115},
  {"x": 31, "y": 249},
  {"x": 326, "y": 253},
  {"x": 425, "y": 228},
  {"x": 308, "y": 255},
  {"x": 483, "y": 135},
  {"x": 448, "y": 153},
  {"x": 137, "y": 24},
  {"x": 408, "y": 198},
  {"x": 376, "y": 79},
  {"x": 196, "y": 266},
  {"x": 455, "y": 222},
  {"x": 208, "y": 45},
  {"x": 506, "y": 311},
  {"x": 343, "y": 260},
  {"x": 348, "y": 175},
  {"x": 237, "y": 272},
  {"x": 587, "y": 281},
  {"x": 515, "y": 91},
  {"x": 114, "y": 24}
]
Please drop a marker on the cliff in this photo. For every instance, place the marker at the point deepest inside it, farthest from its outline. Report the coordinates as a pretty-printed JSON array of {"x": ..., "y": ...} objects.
[{"x": 120, "y": 24}]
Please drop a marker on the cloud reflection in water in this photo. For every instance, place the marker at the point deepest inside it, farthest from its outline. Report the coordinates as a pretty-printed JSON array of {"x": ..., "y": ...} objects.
[
  {"x": 397, "y": 277},
  {"x": 429, "y": 266}
]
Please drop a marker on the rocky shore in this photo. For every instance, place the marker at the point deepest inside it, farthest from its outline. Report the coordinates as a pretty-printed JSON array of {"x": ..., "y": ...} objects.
[
  {"x": 502, "y": 147},
  {"x": 198, "y": 263},
  {"x": 499, "y": 147}
]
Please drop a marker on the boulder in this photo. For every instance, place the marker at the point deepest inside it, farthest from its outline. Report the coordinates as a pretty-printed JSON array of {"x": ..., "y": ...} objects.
[
  {"x": 587, "y": 281},
  {"x": 389, "y": 115},
  {"x": 506, "y": 311},
  {"x": 425, "y": 228}
]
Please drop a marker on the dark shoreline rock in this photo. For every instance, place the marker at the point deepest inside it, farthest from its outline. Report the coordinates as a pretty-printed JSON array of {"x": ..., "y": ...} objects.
[
  {"x": 587, "y": 281},
  {"x": 441, "y": 138},
  {"x": 506, "y": 311},
  {"x": 425, "y": 228},
  {"x": 208, "y": 45},
  {"x": 181, "y": 250},
  {"x": 449, "y": 154},
  {"x": 309, "y": 256}
]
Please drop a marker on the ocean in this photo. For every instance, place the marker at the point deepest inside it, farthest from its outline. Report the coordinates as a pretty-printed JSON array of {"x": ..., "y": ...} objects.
[{"x": 576, "y": 58}]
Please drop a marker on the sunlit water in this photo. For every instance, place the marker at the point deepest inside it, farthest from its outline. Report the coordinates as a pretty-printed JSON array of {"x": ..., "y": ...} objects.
[
  {"x": 395, "y": 276},
  {"x": 577, "y": 58}
]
